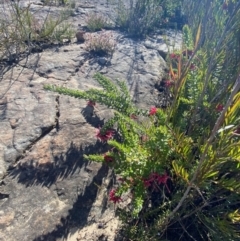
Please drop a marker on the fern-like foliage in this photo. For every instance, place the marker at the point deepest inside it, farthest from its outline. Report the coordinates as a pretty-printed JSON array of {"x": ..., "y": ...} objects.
[{"x": 111, "y": 96}]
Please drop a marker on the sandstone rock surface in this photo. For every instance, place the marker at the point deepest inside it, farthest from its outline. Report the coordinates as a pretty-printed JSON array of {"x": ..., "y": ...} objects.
[{"x": 47, "y": 190}]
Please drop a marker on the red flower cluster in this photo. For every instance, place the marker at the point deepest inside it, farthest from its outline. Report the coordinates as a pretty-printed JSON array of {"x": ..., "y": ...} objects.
[
  {"x": 225, "y": 6},
  {"x": 153, "y": 111},
  {"x": 192, "y": 67},
  {"x": 91, "y": 103},
  {"x": 155, "y": 178},
  {"x": 187, "y": 52},
  {"x": 104, "y": 136},
  {"x": 108, "y": 158},
  {"x": 237, "y": 131},
  {"x": 174, "y": 56},
  {"x": 219, "y": 107},
  {"x": 113, "y": 197},
  {"x": 168, "y": 83}
]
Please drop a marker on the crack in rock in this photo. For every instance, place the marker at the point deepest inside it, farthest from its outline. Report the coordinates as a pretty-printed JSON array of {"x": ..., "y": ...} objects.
[
  {"x": 57, "y": 113},
  {"x": 45, "y": 131}
]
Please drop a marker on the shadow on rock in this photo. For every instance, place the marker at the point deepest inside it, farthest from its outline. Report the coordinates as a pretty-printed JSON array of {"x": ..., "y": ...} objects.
[
  {"x": 64, "y": 165},
  {"x": 78, "y": 215},
  {"x": 71, "y": 181},
  {"x": 91, "y": 118}
]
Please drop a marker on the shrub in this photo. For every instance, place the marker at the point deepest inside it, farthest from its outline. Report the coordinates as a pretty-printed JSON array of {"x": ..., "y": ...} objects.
[
  {"x": 140, "y": 17},
  {"x": 56, "y": 30},
  {"x": 55, "y": 2},
  {"x": 174, "y": 179},
  {"x": 102, "y": 43},
  {"x": 181, "y": 165},
  {"x": 96, "y": 21},
  {"x": 21, "y": 30},
  {"x": 72, "y": 4}
]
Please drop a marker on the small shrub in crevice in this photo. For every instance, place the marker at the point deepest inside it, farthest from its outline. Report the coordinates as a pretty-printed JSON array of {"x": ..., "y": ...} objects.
[
  {"x": 102, "y": 43},
  {"x": 96, "y": 22},
  {"x": 56, "y": 30},
  {"x": 71, "y": 4},
  {"x": 55, "y": 2},
  {"x": 22, "y": 31}
]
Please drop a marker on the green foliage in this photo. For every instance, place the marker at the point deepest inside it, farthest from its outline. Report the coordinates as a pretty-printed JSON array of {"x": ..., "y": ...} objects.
[
  {"x": 181, "y": 166},
  {"x": 96, "y": 22},
  {"x": 143, "y": 16},
  {"x": 22, "y": 31},
  {"x": 110, "y": 95},
  {"x": 55, "y": 2},
  {"x": 57, "y": 29}
]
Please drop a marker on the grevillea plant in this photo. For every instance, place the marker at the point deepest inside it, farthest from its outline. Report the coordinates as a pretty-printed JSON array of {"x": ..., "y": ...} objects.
[
  {"x": 154, "y": 159},
  {"x": 180, "y": 166},
  {"x": 141, "y": 156}
]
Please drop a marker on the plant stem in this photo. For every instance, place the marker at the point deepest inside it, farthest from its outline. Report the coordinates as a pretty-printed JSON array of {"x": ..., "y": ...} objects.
[{"x": 217, "y": 125}]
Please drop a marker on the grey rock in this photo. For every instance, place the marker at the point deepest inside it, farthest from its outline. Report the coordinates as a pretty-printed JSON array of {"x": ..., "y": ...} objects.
[
  {"x": 2, "y": 162},
  {"x": 102, "y": 60},
  {"x": 80, "y": 36},
  {"x": 49, "y": 189}
]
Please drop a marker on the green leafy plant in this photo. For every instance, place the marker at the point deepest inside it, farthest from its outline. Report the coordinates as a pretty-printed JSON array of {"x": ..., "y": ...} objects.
[
  {"x": 96, "y": 22},
  {"x": 22, "y": 31},
  {"x": 143, "y": 16},
  {"x": 56, "y": 30},
  {"x": 18, "y": 28},
  {"x": 180, "y": 166},
  {"x": 72, "y": 4},
  {"x": 55, "y": 2},
  {"x": 155, "y": 160}
]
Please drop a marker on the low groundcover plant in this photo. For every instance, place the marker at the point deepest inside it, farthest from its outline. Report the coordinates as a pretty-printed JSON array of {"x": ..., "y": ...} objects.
[{"x": 101, "y": 43}]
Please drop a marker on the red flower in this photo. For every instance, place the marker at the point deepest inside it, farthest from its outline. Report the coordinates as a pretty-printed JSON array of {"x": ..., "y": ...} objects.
[
  {"x": 162, "y": 179},
  {"x": 192, "y": 67},
  {"x": 168, "y": 83},
  {"x": 113, "y": 197},
  {"x": 147, "y": 183},
  {"x": 237, "y": 131},
  {"x": 91, "y": 103},
  {"x": 121, "y": 179},
  {"x": 225, "y": 6},
  {"x": 174, "y": 56},
  {"x": 155, "y": 177},
  {"x": 219, "y": 107},
  {"x": 187, "y": 52},
  {"x": 104, "y": 136},
  {"x": 153, "y": 111},
  {"x": 108, "y": 158}
]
